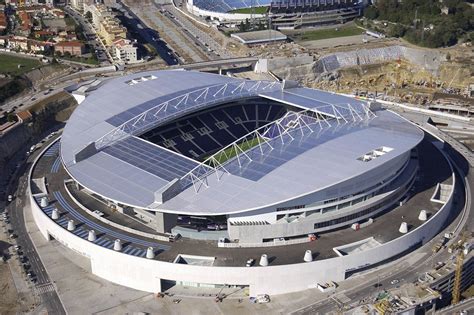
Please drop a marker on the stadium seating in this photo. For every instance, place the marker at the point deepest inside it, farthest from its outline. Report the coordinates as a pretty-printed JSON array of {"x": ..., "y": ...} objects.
[
  {"x": 203, "y": 134},
  {"x": 224, "y": 6},
  {"x": 299, "y": 6}
]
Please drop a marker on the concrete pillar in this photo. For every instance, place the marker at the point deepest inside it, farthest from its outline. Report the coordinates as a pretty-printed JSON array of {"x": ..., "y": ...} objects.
[
  {"x": 150, "y": 253},
  {"x": 264, "y": 260},
  {"x": 423, "y": 215},
  {"x": 403, "y": 228},
  {"x": 55, "y": 214},
  {"x": 91, "y": 237},
  {"x": 70, "y": 225},
  {"x": 44, "y": 202},
  {"x": 165, "y": 222},
  {"x": 308, "y": 256},
  {"x": 118, "y": 245}
]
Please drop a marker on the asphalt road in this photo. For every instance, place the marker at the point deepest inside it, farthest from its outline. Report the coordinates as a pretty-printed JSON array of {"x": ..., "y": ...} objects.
[
  {"x": 44, "y": 287},
  {"x": 151, "y": 37},
  {"x": 102, "y": 54}
]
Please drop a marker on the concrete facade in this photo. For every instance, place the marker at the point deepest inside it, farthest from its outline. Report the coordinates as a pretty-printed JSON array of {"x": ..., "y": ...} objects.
[{"x": 147, "y": 275}]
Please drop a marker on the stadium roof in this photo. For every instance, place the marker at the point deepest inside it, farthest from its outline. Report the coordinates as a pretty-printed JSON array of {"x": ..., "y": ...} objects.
[{"x": 99, "y": 147}]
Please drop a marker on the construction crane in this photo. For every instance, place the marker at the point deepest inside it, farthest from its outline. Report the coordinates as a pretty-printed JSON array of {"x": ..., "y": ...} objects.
[
  {"x": 458, "y": 278},
  {"x": 459, "y": 246}
]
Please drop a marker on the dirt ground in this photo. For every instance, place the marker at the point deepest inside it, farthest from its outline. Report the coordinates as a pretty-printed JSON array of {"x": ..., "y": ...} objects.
[
  {"x": 8, "y": 293},
  {"x": 11, "y": 302}
]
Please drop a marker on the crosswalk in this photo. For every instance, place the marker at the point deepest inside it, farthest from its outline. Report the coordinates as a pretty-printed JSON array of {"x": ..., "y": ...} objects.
[{"x": 44, "y": 288}]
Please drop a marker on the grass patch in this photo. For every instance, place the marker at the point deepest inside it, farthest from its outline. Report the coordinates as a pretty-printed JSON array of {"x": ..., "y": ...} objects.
[
  {"x": 328, "y": 33},
  {"x": 90, "y": 61},
  {"x": 231, "y": 152},
  {"x": 9, "y": 65},
  {"x": 257, "y": 10}
]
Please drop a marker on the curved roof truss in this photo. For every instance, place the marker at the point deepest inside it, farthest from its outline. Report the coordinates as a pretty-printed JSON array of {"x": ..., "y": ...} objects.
[
  {"x": 258, "y": 142},
  {"x": 185, "y": 103}
]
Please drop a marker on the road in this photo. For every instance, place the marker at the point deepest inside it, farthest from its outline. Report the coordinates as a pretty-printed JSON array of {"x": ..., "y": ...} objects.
[
  {"x": 202, "y": 39},
  {"x": 94, "y": 41},
  {"x": 150, "y": 36},
  {"x": 44, "y": 286}
]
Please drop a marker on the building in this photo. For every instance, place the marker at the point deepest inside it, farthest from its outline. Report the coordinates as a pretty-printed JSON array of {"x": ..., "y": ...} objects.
[
  {"x": 108, "y": 27},
  {"x": 24, "y": 116},
  {"x": 284, "y": 14},
  {"x": 74, "y": 48},
  {"x": 124, "y": 50},
  {"x": 259, "y": 37},
  {"x": 237, "y": 169},
  {"x": 77, "y": 4},
  {"x": 26, "y": 23},
  {"x": 19, "y": 43},
  {"x": 3, "y": 21},
  {"x": 3, "y": 41}
]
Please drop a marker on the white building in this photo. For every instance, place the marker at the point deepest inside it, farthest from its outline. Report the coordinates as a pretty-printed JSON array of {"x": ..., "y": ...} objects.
[
  {"x": 124, "y": 50},
  {"x": 77, "y": 4}
]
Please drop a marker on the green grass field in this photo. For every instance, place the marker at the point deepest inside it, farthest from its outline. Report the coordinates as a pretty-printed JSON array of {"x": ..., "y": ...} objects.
[
  {"x": 258, "y": 10},
  {"x": 229, "y": 153},
  {"x": 328, "y": 33},
  {"x": 9, "y": 64}
]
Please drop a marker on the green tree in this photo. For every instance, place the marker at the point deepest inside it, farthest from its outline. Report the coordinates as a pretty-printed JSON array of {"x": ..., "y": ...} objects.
[
  {"x": 371, "y": 12},
  {"x": 396, "y": 30},
  {"x": 12, "y": 117}
]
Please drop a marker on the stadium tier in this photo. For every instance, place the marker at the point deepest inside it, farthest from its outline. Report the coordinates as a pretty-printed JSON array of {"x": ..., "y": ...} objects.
[
  {"x": 200, "y": 135},
  {"x": 224, "y": 6}
]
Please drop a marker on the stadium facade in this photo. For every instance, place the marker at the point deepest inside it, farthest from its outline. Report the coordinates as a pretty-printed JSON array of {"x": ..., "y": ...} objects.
[
  {"x": 284, "y": 14},
  {"x": 241, "y": 163}
]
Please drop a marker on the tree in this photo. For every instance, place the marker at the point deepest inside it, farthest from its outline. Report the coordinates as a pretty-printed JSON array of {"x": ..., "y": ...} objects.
[
  {"x": 396, "y": 30},
  {"x": 12, "y": 117},
  {"x": 371, "y": 12}
]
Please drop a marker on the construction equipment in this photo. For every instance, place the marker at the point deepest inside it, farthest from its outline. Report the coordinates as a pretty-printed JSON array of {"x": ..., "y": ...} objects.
[
  {"x": 458, "y": 278},
  {"x": 459, "y": 246},
  {"x": 382, "y": 307}
]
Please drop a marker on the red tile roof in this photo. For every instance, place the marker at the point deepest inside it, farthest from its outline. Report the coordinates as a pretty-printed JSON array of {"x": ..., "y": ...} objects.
[{"x": 70, "y": 44}]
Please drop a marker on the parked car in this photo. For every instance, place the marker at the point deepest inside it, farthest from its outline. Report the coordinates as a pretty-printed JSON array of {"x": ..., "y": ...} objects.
[{"x": 250, "y": 262}]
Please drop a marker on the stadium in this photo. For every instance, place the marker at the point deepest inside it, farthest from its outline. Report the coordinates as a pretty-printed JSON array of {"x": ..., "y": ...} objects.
[
  {"x": 182, "y": 178},
  {"x": 284, "y": 14}
]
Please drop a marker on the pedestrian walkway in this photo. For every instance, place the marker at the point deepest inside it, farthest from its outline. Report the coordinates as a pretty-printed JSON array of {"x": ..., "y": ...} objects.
[{"x": 44, "y": 288}]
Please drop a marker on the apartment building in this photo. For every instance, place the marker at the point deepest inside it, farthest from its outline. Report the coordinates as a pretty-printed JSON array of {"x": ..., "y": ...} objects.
[{"x": 124, "y": 50}]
